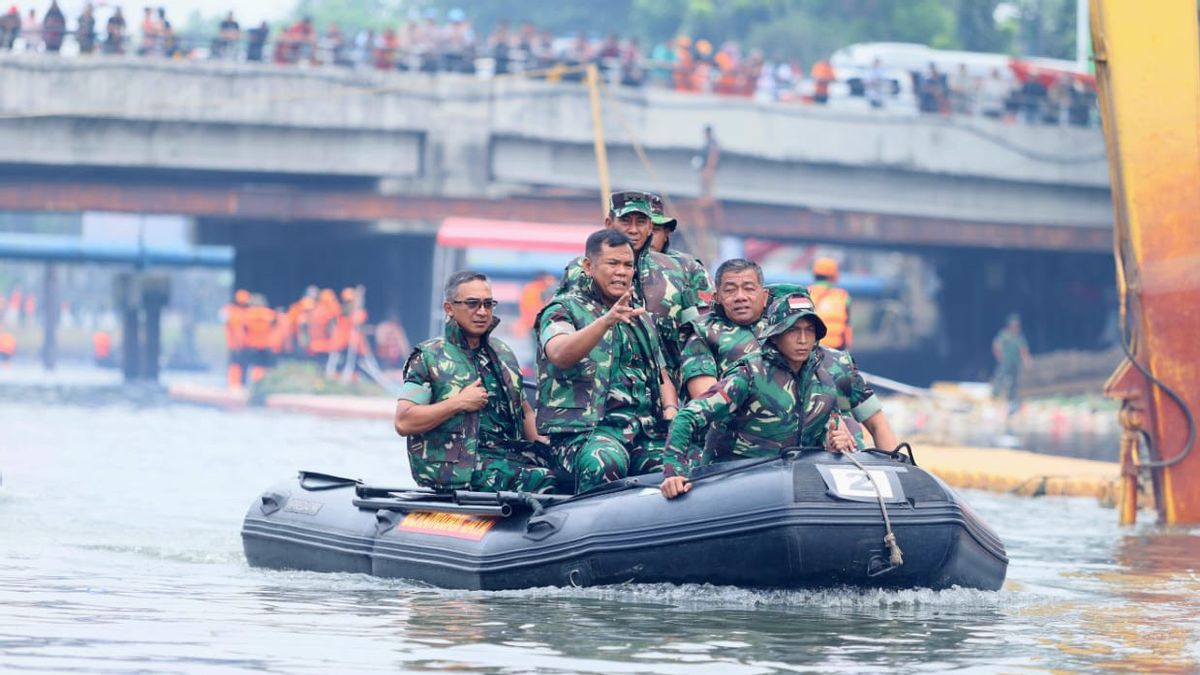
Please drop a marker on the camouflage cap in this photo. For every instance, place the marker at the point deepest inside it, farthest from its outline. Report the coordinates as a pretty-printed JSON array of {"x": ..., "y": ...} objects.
[
  {"x": 785, "y": 311},
  {"x": 629, "y": 201},
  {"x": 658, "y": 213}
]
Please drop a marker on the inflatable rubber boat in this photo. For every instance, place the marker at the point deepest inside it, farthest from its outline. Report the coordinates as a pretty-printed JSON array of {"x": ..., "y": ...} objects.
[{"x": 800, "y": 520}]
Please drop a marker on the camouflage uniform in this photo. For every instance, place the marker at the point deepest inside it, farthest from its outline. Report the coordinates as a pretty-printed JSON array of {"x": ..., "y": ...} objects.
[
  {"x": 767, "y": 407},
  {"x": 602, "y": 413},
  {"x": 661, "y": 286},
  {"x": 713, "y": 343},
  {"x": 477, "y": 450},
  {"x": 714, "y": 346},
  {"x": 698, "y": 278}
]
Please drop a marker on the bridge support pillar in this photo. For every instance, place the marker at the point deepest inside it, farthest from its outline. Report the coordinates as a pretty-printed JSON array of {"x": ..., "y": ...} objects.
[{"x": 140, "y": 296}]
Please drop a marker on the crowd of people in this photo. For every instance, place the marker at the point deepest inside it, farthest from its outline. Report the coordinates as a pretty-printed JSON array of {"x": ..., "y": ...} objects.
[
  {"x": 322, "y": 326},
  {"x": 643, "y": 363},
  {"x": 433, "y": 43}
]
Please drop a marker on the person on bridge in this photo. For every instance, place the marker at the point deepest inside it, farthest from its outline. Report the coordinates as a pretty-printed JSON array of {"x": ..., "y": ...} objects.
[
  {"x": 604, "y": 392},
  {"x": 234, "y": 317},
  {"x": 663, "y": 226},
  {"x": 102, "y": 349},
  {"x": 788, "y": 397},
  {"x": 8, "y": 345},
  {"x": 659, "y": 284},
  {"x": 833, "y": 303},
  {"x": 461, "y": 408}
]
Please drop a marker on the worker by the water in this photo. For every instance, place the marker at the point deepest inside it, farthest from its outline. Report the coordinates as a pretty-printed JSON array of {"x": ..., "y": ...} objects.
[
  {"x": 788, "y": 397},
  {"x": 832, "y": 302},
  {"x": 663, "y": 226},
  {"x": 660, "y": 284},
  {"x": 235, "y": 337},
  {"x": 1012, "y": 354},
  {"x": 259, "y": 331},
  {"x": 468, "y": 426},
  {"x": 604, "y": 393}
]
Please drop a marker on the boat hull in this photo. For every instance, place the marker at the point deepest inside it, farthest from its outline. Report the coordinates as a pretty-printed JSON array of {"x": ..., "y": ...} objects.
[{"x": 787, "y": 523}]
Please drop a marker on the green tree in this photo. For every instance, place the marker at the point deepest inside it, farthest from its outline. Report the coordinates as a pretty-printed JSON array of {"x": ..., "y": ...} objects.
[{"x": 977, "y": 29}]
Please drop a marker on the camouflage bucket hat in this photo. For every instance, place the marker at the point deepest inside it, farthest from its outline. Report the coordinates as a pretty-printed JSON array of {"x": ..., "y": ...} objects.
[
  {"x": 629, "y": 201},
  {"x": 658, "y": 214},
  {"x": 787, "y": 310}
]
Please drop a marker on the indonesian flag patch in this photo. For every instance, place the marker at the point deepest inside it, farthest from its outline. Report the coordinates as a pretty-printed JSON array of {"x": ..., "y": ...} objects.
[{"x": 799, "y": 302}]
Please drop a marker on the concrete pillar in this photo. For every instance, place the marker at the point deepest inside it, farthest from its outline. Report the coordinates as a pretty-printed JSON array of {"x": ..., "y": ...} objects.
[{"x": 50, "y": 312}]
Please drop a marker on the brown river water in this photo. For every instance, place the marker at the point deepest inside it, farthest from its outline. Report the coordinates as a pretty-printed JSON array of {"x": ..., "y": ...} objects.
[{"x": 120, "y": 552}]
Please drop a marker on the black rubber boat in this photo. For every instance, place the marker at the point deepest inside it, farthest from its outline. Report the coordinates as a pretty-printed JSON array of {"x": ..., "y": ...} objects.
[{"x": 804, "y": 519}]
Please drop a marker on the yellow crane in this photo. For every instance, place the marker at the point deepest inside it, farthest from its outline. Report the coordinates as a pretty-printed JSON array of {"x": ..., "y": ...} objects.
[{"x": 1148, "y": 74}]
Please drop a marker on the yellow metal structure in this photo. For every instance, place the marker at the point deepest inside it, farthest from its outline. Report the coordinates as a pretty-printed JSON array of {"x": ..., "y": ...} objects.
[
  {"x": 1148, "y": 70},
  {"x": 593, "y": 85}
]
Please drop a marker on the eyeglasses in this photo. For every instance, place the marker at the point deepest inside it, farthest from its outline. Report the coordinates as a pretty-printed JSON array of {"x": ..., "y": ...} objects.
[{"x": 475, "y": 303}]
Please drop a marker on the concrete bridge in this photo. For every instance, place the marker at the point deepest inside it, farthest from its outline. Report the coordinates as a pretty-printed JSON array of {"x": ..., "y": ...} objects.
[{"x": 287, "y": 163}]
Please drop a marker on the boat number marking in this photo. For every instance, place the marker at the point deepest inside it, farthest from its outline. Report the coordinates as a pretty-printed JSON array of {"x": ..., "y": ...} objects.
[
  {"x": 303, "y": 507},
  {"x": 852, "y": 482},
  {"x": 447, "y": 525}
]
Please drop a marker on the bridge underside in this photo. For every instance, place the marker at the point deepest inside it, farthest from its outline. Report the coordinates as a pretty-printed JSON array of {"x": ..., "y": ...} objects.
[
  {"x": 284, "y": 202},
  {"x": 290, "y": 232}
]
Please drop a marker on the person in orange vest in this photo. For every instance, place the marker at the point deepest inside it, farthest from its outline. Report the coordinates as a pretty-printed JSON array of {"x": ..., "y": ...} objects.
[
  {"x": 8, "y": 345},
  {"x": 391, "y": 343},
  {"x": 282, "y": 336},
  {"x": 259, "y": 320},
  {"x": 102, "y": 348},
  {"x": 298, "y": 314},
  {"x": 348, "y": 331},
  {"x": 30, "y": 307},
  {"x": 321, "y": 321},
  {"x": 822, "y": 76},
  {"x": 832, "y": 303},
  {"x": 235, "y": 337}
]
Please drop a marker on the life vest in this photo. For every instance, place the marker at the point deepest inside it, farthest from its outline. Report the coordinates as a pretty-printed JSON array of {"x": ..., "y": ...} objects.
[
  {"x": 572, "y": 399},
  {"x": 235, "y": 327},
  {"x": 833, "y": 306},
  {"x": 450, "y": 451},
  {"x": 259, "y": 323},
  {"x": 101, "y": 345}
]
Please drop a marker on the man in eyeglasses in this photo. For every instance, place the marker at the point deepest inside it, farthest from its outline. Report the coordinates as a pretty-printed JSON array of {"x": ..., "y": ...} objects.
[
  {"x": 663, "y": 226},
  {"x": 604, "y": 394},
  {"x": 468, "y": 426},
  {"x": 660, "y": 284}
]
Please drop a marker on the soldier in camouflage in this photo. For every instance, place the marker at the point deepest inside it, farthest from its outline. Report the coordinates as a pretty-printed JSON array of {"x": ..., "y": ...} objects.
[
  {"x": 717, "y": 340},
  {"x": 603, "y": 390},
  {"x": 468, "y": 426},
  {"x": 700, "y": 283},
  {"x": 787, "y": 397},
  {"x": 660, "y": 285}
]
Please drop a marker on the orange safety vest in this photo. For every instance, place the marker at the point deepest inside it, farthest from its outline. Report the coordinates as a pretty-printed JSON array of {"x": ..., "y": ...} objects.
[
  {"x": 8, "y": 344},
  {"x": 101, "y": 345},
  {"x": 259, "y": 324},
  {"x": 833, "y": 306},
  {"x": 235, "y": 327}
]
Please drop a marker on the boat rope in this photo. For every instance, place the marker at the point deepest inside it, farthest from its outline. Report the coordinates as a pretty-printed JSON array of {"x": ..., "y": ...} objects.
[{"x": 895, "y": 555}]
